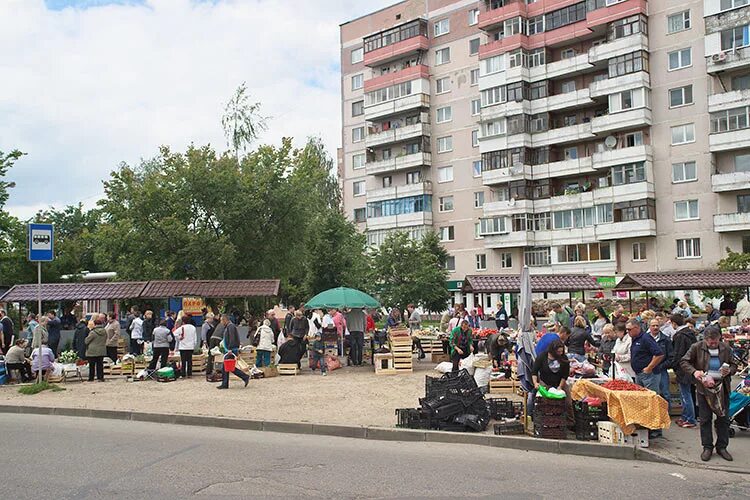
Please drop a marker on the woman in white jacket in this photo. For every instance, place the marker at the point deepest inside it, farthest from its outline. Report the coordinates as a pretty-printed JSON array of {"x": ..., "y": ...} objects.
[
  {"x": 186, "y": 337},
  {"x": 621, "y": 354},
  {"x": 265, "y": 345}
]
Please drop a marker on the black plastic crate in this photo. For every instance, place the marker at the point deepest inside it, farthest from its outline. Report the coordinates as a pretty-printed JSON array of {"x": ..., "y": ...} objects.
[
  {"x": 550, "y": 420},
  {"x": 550, "y": 432},
  {"x": 433, "y": 386},
  {"x": 414, "y": 418},
  {"x": 509, "y": 428},
  {"x": 451, "y": 427},
  {"x": 587, "y": 430},
  {"x": 583, "y": 409},
  {"x": 503, "y": 408},
  {"x": 459, "y": 380},
  {"x": 545, "y": 406},
  {"x": 472, "y": 422}
]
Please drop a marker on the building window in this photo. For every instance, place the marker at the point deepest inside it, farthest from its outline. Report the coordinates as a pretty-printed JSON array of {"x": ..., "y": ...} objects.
[
  {"x": 639, "y": 252},
  {"x": 536, "y": 256},
  {"x": 731, "y": 119},
  {"x": 387, "y": 181},
  {"x": 473, "y": 17},
  {"x": 442, "y": 85},
  {"x": 444, "y": 114},
  {"x": 479, "y": 199},
  {"x": 679, "y": 59},
  {"x": 359, "y": 188},
  {"x": 686, "y": 210},
  {"x": 475, "y": 138},
  {"x": 476, "y": 168},
  {"x": 628, "y": 63},
  {"x": 445, "y": 144},
  {"x": 399, "y": 206},
  {"x": 565, "y": 16},
  {"x": 742, "y": 163},
  {"x": 358, "y": 108},
  {"x": 678, "y": 22},
  {"x": 447, "y": 233},
  {"x": 360, "y": 214},
  {"x": 450, "y": 264},
  {"x": 474, "y": 75},
  {"x": 684, "y": 172},
  {"x": 743, "y": 203},
  {"x": 735, "y": 38},
  {"x": 634, "y": 139},
  {"x": 478, "y": 231},
  {"x": 495, "y": 127},
  {"x": 442, "y": 27},
  {"x": 474, "y": 46},
  {"x": 732, "y": 4},
  {"x": 683, "y": 134},
  {"x": 442, "y": 56},
  {"x": 358, "y": 55},
  {"x": 445, "y": 174},
  {"x": 567, "y": 87},
  {"x": 681, "y": 96},
  {"x": 413, "y": 177},
  {"x": 481, "y": 261},
  {"x": 689, "y": 248},
  {"x": 358, "y": 134},
  {"x": 506, "y": 260},
  {"x": 628, "y": 174},
  {"x": 476, "y": 106},
  {"x": 358, "y": 81},
  {"x": 358, "y": 161},
  {"x": 389, "y": 93},
  {"x": 446, "y": 203},
  {"x": 584, "y": 252},
  {"x": 570, "y": 153}
]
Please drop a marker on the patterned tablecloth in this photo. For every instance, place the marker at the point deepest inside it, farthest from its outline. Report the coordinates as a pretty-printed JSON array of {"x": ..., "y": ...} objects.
[{"x": 627, "y": 408}]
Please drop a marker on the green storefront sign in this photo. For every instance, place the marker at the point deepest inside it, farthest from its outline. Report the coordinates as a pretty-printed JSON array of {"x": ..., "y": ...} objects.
[
  {"x": 606, "y": 281},
  {"x": 454, "y": 285}
]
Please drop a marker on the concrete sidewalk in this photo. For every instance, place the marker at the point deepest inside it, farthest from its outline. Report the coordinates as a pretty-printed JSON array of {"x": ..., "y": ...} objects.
[{"x": 685, "y": 445}]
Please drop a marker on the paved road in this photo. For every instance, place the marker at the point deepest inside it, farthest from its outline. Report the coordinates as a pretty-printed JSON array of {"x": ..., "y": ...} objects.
[{"x": 96, "y": 458}]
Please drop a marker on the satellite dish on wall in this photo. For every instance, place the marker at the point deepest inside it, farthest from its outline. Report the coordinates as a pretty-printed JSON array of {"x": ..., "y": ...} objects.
[{"x": 610, "y": 141}]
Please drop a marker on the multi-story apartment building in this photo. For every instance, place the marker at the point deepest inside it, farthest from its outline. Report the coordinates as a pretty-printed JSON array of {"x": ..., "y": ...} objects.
[{"x": 595, "y": 136}]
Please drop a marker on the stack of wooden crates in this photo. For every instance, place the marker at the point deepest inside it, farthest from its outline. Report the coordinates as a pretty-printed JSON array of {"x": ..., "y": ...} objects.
[{"x": 400, "y": 343}]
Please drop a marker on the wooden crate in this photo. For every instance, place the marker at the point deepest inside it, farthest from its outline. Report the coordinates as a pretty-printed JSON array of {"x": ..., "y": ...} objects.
[
  {"x": 384, "y": 364},
  {"x": 288, "y": 369},
  {"x": 440, "y": 357},
  {"x": 502, "y": 386}
]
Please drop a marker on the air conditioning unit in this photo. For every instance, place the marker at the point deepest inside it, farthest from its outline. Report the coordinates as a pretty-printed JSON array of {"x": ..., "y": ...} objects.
[{"x": 720, "y": 57}]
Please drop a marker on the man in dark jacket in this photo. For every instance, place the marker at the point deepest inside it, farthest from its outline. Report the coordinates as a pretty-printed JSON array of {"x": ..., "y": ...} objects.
[
  {"x": 665, "y": 343},
  {"x": 53, "y": 329},
  {"x": 232, "y": 344},
  {"x": 149, "y": 324},
  {"x": 710, "y": 362},
  {"x": 79, "y": 337},
  {"x": 288, "y": 321},
  {"x": 682, "y": 340},
  {"x": 497, "y": 348},
  {"x": 501, "y": 316},
  {"x": 7, "y": 331},
  {"x": 712, "y": 314}
]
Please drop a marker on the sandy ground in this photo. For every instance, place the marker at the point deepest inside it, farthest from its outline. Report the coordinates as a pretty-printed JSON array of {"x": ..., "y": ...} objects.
[{"x": 351, "y": 395}]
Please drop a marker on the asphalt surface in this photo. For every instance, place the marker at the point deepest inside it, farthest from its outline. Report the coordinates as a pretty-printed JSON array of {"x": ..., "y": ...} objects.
[{"x": 66, "y": 457}]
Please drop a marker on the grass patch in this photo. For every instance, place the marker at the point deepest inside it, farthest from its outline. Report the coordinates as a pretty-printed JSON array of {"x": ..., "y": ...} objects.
[{"x": 39, "y": 387}]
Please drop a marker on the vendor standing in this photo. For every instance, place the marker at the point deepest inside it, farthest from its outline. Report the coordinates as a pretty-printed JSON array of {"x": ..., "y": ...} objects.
[
  {"x": 712, "y": 365},
  {"x": 461, "y": 344},
  {"x": 501, "y": 316},
  {"x": 355, "y": 320},
  {"x": 497, "y": 348},
  {"x": 415, "y": 325}
]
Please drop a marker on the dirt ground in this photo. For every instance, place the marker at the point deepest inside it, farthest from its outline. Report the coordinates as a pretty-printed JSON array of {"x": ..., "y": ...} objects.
[{"x": 351, "y": 395}]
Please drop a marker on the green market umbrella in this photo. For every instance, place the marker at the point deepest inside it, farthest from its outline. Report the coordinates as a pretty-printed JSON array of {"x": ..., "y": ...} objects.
[{"x": 340, "y": 298}]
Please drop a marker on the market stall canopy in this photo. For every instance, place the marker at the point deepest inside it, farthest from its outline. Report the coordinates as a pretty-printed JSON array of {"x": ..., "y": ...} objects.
[
  {"x": 509, "y": 283},
  {"x": 55, "y": 292},
  {"x": 212, "y": 289},
  {"x": 342, "y": 297},
  {"x": 684, "y": 281}
]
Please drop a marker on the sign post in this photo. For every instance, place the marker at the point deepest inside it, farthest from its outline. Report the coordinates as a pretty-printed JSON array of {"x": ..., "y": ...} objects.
[{"x": 41, "y": 249}]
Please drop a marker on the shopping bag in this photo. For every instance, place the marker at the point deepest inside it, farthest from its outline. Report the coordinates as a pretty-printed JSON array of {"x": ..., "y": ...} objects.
[
  {"x": 621, "y": 373},
  {"x": 467, "y": 363},
  {"x": 333, "y": 363}
]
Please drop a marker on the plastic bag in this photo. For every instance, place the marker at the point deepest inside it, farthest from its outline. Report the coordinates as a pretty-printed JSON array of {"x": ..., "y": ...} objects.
[
  {"x": 482, "y": 376},
  {"x": 333, "y": 363},
  {"x": 467, "y": 364},
  {"x": 444, "y": 367},
  {"x": 280, "y": 340},
  {"x": 621, "y": 373}
]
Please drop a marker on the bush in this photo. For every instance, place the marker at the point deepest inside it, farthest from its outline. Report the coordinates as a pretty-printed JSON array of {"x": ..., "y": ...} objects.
[{"x": 39, "y": 387}]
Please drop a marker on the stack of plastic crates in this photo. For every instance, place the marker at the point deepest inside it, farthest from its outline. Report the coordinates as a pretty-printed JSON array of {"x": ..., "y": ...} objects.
[
  {"x": 587, "y": 420},
  {"x": 550, "y": 420}
]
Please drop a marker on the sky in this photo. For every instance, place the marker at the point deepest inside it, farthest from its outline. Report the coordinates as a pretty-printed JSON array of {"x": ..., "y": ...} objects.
[{"x": 88, "y": 84}]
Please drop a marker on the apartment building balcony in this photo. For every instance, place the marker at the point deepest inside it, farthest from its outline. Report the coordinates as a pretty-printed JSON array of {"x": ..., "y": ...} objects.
[
  {"x": 631, "y": 81},
  {"x": 511, "y": 239},
  {"x": 395, "y": 43},
  {"x": 734, "y": 181},
  {"x": 624, "y": 192},
  {"x": 622, "y": 120},
  {"x": 729, "y": 141},
  {"x": 728, "y": 100},
  {"x": 493, "y": 18},
  {"x": 507, "y": 174},
  {"x": 562, "y": 135},
  {"x": 627, "y": 229},
  {"x": 563, "y": 168},
  {"x": 726, "y": 223},
  {"x": 392, "y": 192},
  {"x": 561, "y": 101},
  {"x": 718, "y": 61},
  {"x": 496, "y": 47},
  {"x": 399, "y": 134},
  {"x": 399, "y": 221},
  {"x": 613, "y": 157},
  {"x": 419, "y": 71},
  {"x": 398, "y": 163},
  {"x": 396, "y": 106},
  {"x": 505, "y": 208},
  {"x": 594, "y": 268},
  {"x": 504, "y": 141},
  {"x": 614, "y": 48},
  {"x": 560, "y": 68},
  {"x": 504, "y": 109}
]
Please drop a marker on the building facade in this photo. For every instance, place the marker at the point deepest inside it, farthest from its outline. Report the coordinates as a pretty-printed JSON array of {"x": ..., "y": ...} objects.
[{"x": 595, "y": 136}]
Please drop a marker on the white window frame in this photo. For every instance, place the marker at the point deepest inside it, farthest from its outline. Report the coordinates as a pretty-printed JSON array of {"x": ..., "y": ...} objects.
[
  {"x": 681, "y": 167},
  {"x": 447, "y": 233},
  {"x": 685, "y": 127},
  {"x": 688, "y": 247},
  {"x": 447, "y": 143},
  {"x": 360, "y": 78},
  {"x": 443, "y": 201},
  {"x": 478, "y": 203},
  {"x": 479, "y": 44},
  {"x": 682, "y": 90},
  {"x": 357, "y": 55},
  {"x": 443, "y": 85},
  {"x": 476, "y": 107},
  {"x": 362, "y": 109},
  {"x": 681, "y": 63},
  {"x": 441, "y": 27},
  {"x": 474, "y": 80},
  {"x": 736, "y": 4},
  {"x": 474, "y": 172},
  {"x": 641, "y": 251},
  {"x": 473, "y": 17},
  {"x": 687, "y": 205},
  {"x": 447, "y": 113},
  {"x": 503, "y": 256},
  {"x": 450, "y": 264},
  {"x": 478, "y": 231},
  {"x": 481, "y": 261},
  {"x": 443, "y": 59},
  {"x": 445, "y": 174},
  {"x": 363, "y": 188},
  {"x": 362, "y": 136},
  {"x": 361, "y": 210},
  {"x": 686, "y": 21},
  {"x": 355, "y": 158},
  {"x": 475, "y": 138}
]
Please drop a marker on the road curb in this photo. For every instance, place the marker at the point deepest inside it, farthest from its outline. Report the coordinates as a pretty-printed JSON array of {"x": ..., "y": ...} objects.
[{"x": 521, "y": 443}]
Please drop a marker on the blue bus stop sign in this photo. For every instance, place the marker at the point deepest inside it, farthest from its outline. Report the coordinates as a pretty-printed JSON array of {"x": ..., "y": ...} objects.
[{"x": 41, "y": 243}]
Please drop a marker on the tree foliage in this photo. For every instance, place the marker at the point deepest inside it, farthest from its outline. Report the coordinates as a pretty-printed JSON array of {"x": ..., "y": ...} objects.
[
  {"x": 734, "y": 261},
  {"x": 242, "y": 121}
]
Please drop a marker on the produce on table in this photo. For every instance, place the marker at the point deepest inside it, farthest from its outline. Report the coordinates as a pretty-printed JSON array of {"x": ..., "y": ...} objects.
[
  {"x": 622, "y": 385},
  {"x": 67, "y": 357}
]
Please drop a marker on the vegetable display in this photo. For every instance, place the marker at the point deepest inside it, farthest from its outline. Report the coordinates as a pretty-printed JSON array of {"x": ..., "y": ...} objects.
[{"x": 622, "y": 385}]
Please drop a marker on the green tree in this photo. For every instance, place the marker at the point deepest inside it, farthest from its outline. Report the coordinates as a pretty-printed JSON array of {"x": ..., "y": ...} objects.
[
  {"x": 14, "y": 267},
  {"x": 734, "y": 261},
  {"x": 242, "y": 121}
]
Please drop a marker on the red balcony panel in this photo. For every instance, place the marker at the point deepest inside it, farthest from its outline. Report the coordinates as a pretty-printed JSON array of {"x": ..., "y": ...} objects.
[
  {"x": 617, "y": 11},
  {"x": 492, "y": 18},
  {"x": 405, "y": 75},
  {"x": 396, "y": 50},
  {"x": 559, "y": 35},
  {"x": 545, "y": 6},
  {"x": 503, "y": 45}
]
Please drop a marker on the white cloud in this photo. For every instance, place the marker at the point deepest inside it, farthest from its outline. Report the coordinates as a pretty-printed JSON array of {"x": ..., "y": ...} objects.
[{"x": 84, "y": 89}]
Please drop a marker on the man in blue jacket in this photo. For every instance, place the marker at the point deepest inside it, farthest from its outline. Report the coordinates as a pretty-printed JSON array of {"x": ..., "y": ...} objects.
[{"x": 645, "y": 357}]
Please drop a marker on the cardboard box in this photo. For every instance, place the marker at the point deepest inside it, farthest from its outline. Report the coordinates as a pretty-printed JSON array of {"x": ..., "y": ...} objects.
[{"x": 270, "y": 371}]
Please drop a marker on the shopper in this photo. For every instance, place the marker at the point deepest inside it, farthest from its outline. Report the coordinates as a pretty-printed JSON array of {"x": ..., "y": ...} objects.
[
  {"x": 666, "y": 325},
  {"x": 356, "y": 322},
  {"x": 232, "y": 344},
  {"x": 394, "y": 319},
  {"x": 415, "y": 326},
  {"x": 47, "y": 360},
  {"x": 606, "y": 346},
  {"x": 562, "y": 315},
  {"x": 186, "y": 338},
  {"x": 556, "y": 332},
  {"x": 31, "y": 324},
  {"x": 621, "y": 354},
  {"x": 113, "y": 336},
  {"x": 461, "y": 344},
  {"x": 712, "y": 365},
  {"x": 207, "y": 328},
  {"x": 318, "y": 355},
  {"x": 712, "y": 315},
  {"x": 8, "y": 335},
  {"x": 265, "y": 344},
  {"x": 273, "y": 324},
  {"x": 497, "y": 348},
  {"x": 149, "y": 323},
  {"x": 645, "y": 357},
  {"x": 579, "y": 335},
  {"x": 599, "y": 322},
  {"x": 682, "y": 340},
  {"x": 665, "y": 344},
  {"x": 53, "y": 328},
  {"x": 136, "y": 334},
  {"x": 41, "y": 335},
  {"x": 501, "y": 316},
  {"x": 162, "y": 338},
  {"x": 96, "y": 349},
  {"x": 288, "y": 321},
  {"x": 15, "y": 359},
  {"x": 79, "y": 337}
]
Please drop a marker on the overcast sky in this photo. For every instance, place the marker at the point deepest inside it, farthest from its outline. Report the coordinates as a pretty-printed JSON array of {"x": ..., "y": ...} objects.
[{"x": 87, "y": 84}]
